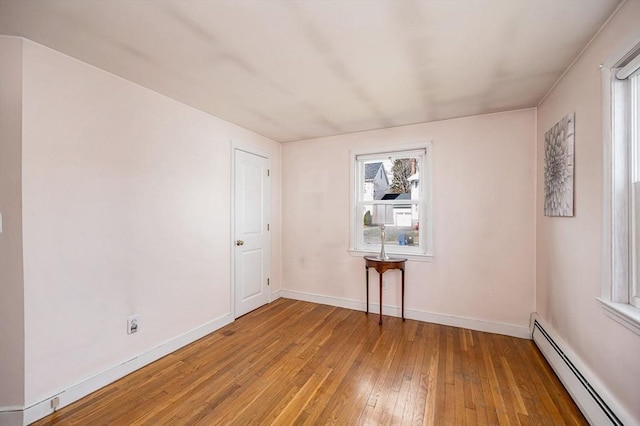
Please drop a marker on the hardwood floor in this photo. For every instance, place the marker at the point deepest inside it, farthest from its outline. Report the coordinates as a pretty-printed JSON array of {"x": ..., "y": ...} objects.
[{"x": 295, "y": 362}]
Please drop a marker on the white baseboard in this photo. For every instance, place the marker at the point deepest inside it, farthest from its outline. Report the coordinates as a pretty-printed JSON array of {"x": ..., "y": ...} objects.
[
  {"x": 17, "y": 416},
  {"x": 444, "y": 319},
  {"x": 276, "y": 295},
  {"x": 512, "y": 330},
  {"x": 323, "y": 300},
  {"x": 11, "y": 416},
  {"x": 593, "y": 398}
]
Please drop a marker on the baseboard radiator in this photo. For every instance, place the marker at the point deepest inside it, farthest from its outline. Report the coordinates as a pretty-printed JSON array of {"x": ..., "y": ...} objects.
[{"x": 590, "y": 402}]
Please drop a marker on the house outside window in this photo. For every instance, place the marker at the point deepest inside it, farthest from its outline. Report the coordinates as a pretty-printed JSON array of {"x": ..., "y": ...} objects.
[
  {"x": 392, "y": 188},
  {"x": 621, "y": 154},
  {"x": 376, "y": 182}
]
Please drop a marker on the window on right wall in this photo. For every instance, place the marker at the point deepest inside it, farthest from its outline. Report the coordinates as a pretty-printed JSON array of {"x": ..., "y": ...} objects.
[
  {"x": 621, "y": 212},
  {"x": 634, "y": 83}
]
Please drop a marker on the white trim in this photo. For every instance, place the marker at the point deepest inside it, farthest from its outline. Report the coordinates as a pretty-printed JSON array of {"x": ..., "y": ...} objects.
[
  {"x": 248, "y": 148},
  {"x": 570, "y": 369},
  {"x": 625, "y": 314},
  {"x": 275, "y": 295},
  {"x": 386, "y": 149},
  {"x": 622, "y": 52},
  {"x": 414, "y": 314},
  {"x": 339, "y": 302},
  {"x": 42, "y": 408},
  {"x": 11, "y": 416},
  {"x": 428, "y": 199},
  {"x": 400, "y": 153},
  {"x": 513, "y": 330},
  {"x": 618, "y": 170},
  {"x": 607, "y": 183},
  {"x": 232, "y": 224},
  {"x": 410, "y": 257},
  {"x": 629, "y": 69}
]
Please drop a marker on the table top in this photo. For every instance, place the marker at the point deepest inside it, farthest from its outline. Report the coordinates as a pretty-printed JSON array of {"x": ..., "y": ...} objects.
[{"x": 391, "y": 259}]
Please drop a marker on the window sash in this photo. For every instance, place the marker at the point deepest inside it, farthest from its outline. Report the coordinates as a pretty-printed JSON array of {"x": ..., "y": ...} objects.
[
  {"x": 634, "y": 121},
  {"x": 630, "y": 69},
  {"x": 635, "y": 246},
  {"x": 387, "y": 202},
  {"x": 391, "y": 154}
]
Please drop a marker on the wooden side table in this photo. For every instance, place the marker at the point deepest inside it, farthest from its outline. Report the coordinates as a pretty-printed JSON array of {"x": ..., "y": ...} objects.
[{"x": 381, "y": 266}]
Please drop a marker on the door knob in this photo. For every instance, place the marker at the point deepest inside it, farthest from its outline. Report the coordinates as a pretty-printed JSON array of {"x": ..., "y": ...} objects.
[{"x": 239, "y": 242}]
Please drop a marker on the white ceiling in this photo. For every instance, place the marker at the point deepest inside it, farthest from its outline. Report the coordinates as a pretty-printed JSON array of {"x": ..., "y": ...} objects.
[{"x": 293, "y": 70}]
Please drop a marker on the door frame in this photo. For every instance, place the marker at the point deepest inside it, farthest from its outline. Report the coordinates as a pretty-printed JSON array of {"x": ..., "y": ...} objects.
[{"x": 238, "y": 146}]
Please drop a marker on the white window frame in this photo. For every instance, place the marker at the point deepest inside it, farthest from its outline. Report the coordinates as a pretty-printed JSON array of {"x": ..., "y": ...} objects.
[
  {"x": 634, "y": 289},
  {"x": 423, "y": 252},
  {"x": 617, "y": 289}
]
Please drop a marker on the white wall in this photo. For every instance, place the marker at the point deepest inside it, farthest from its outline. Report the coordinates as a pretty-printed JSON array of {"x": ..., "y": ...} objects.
[
  {"x": 126, "y": 197},
  {"x": 11, "y": 278},
  {"x": 483, "y": 171},
  {"x": 569, "y": 249}
]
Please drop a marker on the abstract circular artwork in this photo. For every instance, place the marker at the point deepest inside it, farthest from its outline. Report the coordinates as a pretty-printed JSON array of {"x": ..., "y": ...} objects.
[{"x": 558, "y": 168}]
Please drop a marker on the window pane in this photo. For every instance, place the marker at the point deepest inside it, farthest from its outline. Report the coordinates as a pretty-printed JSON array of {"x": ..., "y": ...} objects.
[
  {"x": 401, "y": 224},
  {"x": 635, "y": 238},
  {"x": 390, "y": 179},
  {"x": 635, "y": 128}
]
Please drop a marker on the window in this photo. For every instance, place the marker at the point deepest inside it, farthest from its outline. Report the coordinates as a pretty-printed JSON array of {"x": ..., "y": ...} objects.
[
  {"x": 392, "y": 188},
  {"x": 621, "y": 139},
  {"x": 634, "y": 120}
]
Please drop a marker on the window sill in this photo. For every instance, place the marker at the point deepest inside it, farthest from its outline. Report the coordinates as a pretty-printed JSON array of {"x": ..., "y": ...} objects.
[
  {"x": 410, "y": 257},
  {"x": 625, "y": 314}
]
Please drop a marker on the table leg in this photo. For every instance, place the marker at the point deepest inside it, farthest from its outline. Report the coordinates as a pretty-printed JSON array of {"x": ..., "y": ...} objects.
[
  {"x": 366, "y": 269},
  {"x": 380, "y": 322},
  {"x": 402, "y": 294}
]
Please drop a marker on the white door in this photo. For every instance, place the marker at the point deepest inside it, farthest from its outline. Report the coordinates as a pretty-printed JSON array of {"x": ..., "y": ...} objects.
[{"x": 252, "y": 240}]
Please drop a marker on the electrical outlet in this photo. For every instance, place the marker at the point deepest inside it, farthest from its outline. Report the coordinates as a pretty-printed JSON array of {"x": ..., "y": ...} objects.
[
  {"x": 384, "y": 284},
  {"x": 55, "y": 402},
  {"x": 133, "y": 324}
]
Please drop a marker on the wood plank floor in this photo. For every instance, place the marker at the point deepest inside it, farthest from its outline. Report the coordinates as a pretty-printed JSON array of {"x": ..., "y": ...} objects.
[{"x": 295, "y": 362}]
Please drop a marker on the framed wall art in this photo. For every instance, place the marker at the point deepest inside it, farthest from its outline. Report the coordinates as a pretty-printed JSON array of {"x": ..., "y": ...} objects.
[{"x": 559, "y": 167}]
